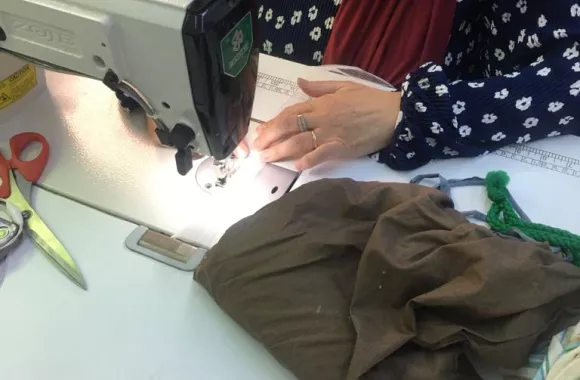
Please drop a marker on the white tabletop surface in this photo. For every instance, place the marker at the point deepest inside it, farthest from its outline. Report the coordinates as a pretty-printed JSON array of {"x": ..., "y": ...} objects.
[{"x": 139, "y": 319}]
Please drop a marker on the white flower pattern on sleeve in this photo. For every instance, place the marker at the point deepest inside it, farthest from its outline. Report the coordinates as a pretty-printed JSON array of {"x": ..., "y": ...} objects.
[
  {"x": 316, "y": 33},
  {"x": 329, "y": 22},
  {"x": 458, "y": 107},
  {"x": 572, "y": 53},
  {"x": 289, "y": 49},
  {"x": 512, "y": 76},
  {"x": 279, "y": 22},
  {"x": 531, "y": 122},
  {"x": 498, "y": 136},
  {"x": 436, "y": 128},
  {"x": 464, "y": 130},
  {"x": 499, "y": 54},
  {"x": 450, "y": 152},
  {"x": 419, "y": 107},
  {"x": 448, "y": 59},
  {"x": 317, "y": 56},
  {"x": 575, "y": 88},
  {"x": 555, "y": 106},
  {"x": 539, "y": 60},
  {"x": 489, "y": 118},
  {"x": 312, "y": 13},
  {"x": 476, "y": 84},
  {"x": 409, "y": 135},
  {"x": 424, "y": 84},
  {"x": 542, "y": 21},
  {"x": 534, "y": 41},
  {"x": 441, "y": 90},
  {"x": 544, "y": 72},
  {"x": 560, "y": 33},
  {"x": 296, "y": 18},
  {"x": 268, "y": 47},
  {"x": 297, "y": 30},
  {"x": 524, "y": 139},
  {"x": 502, "y": 94},
  {"x": 524, "y": 103}
]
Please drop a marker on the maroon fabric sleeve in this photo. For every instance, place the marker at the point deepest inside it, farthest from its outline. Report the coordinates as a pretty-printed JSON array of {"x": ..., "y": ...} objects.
[{"x": 390, "y": 38}]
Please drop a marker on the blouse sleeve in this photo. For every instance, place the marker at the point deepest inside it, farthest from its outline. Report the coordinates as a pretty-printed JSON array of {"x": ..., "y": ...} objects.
[{"x": 441, "y": 120}]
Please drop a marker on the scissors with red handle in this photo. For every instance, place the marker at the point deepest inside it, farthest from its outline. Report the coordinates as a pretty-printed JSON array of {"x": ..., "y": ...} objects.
[{"x": 17, "y": 176}]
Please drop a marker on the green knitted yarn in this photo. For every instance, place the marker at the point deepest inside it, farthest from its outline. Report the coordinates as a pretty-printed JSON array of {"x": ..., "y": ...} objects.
[{"x": 502, "y": 217}]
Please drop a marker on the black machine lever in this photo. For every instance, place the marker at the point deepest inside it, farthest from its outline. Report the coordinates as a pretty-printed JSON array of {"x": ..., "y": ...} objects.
[{"x": 181, "y": 137}]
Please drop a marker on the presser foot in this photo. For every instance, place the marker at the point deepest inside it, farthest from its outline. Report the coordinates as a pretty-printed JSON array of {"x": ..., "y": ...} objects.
[
  {"x": 224, "y": 169},
  {"x": 213, "y": 175},
  {"x": 270, "y": 183}
]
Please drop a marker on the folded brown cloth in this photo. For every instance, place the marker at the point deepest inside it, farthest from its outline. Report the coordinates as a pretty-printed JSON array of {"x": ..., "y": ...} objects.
[{"x": 347, "y": 280}]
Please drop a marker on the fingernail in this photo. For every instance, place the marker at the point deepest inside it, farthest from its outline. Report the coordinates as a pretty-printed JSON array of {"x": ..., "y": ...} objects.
[
  {"x": 265, "y": 157},
  {"x": 241, "y": 152}
]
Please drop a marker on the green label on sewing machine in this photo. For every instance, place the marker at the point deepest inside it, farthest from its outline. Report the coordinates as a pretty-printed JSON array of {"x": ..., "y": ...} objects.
[{"x": 236, "y": 46}]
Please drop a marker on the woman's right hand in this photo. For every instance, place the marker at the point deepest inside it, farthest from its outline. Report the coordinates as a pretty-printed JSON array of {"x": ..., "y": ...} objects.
[{"x": 345, "y": 120}]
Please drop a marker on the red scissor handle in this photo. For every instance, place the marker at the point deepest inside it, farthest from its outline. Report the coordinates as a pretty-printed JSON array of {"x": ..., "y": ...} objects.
[{"x": 31, "y": 170}]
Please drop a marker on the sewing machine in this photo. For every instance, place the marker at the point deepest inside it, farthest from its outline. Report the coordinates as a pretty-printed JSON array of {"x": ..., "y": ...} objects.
[
  {"x": 191, "y": 65},
  {"x": 143, "y": 319}
]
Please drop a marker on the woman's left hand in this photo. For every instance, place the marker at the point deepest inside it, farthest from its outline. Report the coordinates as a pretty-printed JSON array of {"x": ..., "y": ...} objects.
[{"x": 342, "y": 120}]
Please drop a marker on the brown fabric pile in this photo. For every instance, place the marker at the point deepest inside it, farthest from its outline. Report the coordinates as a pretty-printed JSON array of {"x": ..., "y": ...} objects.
[{"x": 347, "y": 280}]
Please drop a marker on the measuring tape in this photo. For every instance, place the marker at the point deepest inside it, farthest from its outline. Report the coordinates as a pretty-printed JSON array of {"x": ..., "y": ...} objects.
[
  {"x": 279, "y": 85},
  {"x": 542, "y": 159}
]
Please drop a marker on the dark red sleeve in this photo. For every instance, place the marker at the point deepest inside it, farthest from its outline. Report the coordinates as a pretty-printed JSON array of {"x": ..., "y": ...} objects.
[{"x": 390, "y": 38}]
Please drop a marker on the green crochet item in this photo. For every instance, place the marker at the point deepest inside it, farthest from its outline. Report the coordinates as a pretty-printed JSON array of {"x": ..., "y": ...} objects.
[{"x": 503, "y": 218}]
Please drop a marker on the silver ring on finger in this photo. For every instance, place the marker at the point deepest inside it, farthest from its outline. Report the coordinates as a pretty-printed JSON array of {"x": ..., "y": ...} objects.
[
  {"x": 314, "y": 140},
  {"x": 302, "y": 123}
]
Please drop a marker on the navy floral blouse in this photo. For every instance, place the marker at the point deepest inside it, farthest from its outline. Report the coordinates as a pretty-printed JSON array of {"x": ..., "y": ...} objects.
[{"x": 511, "y": 75}]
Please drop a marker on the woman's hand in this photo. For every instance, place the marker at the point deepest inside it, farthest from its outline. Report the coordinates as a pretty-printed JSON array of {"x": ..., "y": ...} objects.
[{"x": 345, "y": 120}]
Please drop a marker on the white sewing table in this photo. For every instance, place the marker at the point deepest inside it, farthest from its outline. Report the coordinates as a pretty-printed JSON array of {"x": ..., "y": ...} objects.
[{"x": 141, "y": 319}]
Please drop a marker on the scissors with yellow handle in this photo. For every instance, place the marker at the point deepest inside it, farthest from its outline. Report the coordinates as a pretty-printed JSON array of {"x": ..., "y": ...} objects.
[{"x": 17, "y": 178}]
